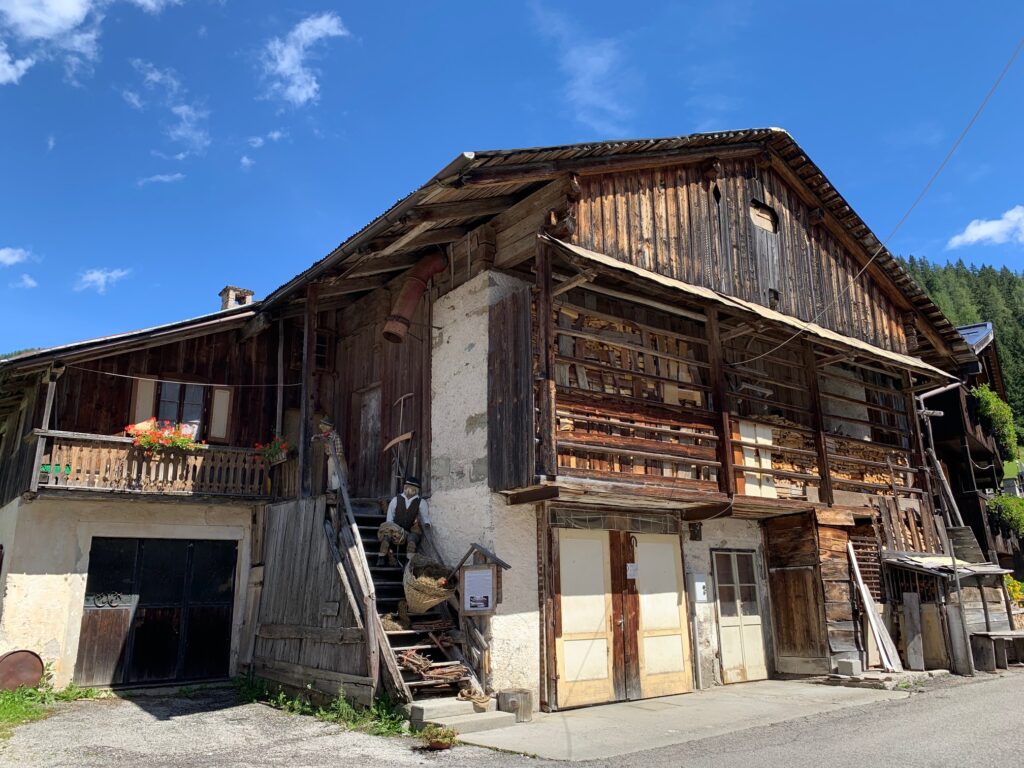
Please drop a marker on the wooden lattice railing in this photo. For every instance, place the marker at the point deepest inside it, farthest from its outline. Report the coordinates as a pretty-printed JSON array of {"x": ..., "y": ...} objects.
[{"x": 71, "y": 460}]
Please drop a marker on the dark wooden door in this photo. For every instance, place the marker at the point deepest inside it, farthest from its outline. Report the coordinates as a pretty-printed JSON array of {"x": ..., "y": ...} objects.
[{"x": 156, "y": 611}]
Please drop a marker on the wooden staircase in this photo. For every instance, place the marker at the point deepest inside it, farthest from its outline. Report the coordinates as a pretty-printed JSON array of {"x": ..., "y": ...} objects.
[{"x": 387, "y": 580}]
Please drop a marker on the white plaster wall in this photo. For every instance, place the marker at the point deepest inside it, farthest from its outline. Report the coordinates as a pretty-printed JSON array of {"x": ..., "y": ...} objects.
[
  {"x": 47, "y": 569},
  {"x": 463, "y": 509},
  {"x": 717, "y": 534},
  {"x": 8, "y": 524}
]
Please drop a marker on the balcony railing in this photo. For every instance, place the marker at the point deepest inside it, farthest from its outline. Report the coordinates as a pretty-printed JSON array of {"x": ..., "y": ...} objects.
[{"x": 72, "y": 460}]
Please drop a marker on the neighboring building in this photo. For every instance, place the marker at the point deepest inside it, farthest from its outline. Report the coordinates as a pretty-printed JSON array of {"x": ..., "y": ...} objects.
[{"x": 667, "y": 382}]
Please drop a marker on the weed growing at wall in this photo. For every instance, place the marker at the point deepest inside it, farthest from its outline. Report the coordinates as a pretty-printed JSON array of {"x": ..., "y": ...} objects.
[
  {"x": 27, "y": 704},
  {"x": 382, "y": 718}
]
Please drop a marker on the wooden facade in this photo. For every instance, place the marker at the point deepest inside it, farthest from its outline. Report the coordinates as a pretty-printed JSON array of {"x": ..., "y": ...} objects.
[{"x": 696, "y": 332}]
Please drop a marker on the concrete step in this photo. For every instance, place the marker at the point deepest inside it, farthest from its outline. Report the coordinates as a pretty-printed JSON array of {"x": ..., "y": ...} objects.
[
  {"x": 429, "y": 710},
  {"x": 478, "y": 721}
]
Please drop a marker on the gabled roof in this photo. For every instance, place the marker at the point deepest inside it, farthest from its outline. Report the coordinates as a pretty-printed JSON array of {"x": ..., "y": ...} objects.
[
  {"x": 158, "y": 334},
  {"x": 977, "y": 335},
  {"x": 510, "y": 174}
]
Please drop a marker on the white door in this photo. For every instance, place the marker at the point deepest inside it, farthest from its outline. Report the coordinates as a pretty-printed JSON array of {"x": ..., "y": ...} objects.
[
  {"x": 663, "y": 641},
  {"x": 584, "y": 646},
  {"x": 740, "y": 630}
]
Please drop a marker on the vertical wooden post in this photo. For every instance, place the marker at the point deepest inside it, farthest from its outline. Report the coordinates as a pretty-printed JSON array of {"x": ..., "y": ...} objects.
[
  {"x": 279, "y": 418},
  {"x": 547, "y": 459},
  {"x": 726, "y": 476},
  {"x": 308, "y": 394},
  {"x": 923, "y": 477},
  {"x": 825, "y": 493}
]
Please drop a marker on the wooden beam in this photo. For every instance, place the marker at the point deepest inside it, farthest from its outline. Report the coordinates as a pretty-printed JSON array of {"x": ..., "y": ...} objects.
[
  {"x": 406, "y": 237},
  {"x": 308, "y": 392},
  {"x": 573, "y": 282},
  {"x": 533, "y": 495},
  {"x": 825, "y": 493},
  {"x": 279, "y": 404},
  {"x": 547, "y": 459},
  {"x": 374, "y": 265},
  {"x": 346, "y": 286},
  {"x": 254, "y": 327},
  {"x": 727, "y": 477},
  {"x": 462, "y": 209}
]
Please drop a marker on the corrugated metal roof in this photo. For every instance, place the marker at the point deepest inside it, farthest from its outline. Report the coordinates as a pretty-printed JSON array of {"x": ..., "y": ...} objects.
[
  {"x": 214, "y": 321},
  {"x": 978, "y": 335}
]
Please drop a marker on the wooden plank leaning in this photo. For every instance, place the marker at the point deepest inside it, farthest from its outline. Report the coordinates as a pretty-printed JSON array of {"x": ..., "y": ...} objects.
[{"x": 886, "y": 647}]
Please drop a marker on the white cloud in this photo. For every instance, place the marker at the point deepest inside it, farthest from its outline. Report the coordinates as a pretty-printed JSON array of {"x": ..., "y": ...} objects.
[
  {"x": 284, "y": 60},
  {"x": 155, "y": 6},
  {"x": 66, "y": 29},
  {"x": 161, "y": 178},
  {"x": 155, "y": 78},
  {"x": 12, "y": 69},
  {"x": 51, "y": 142},
  {"x": 246, "y": 162},
  {"x": 133, "y": 99},
  {"x": 1008, "y": 227},
  {"x": 596, "y": 73},
  {"x": 45, "y": 19},
  {"x": 255, "y": 142},
  {"x": 190, "y": 128},
  {"x": 100, "y": 279},
  {"x": 276, "y": 135},
  {"x": 26, "y": 281},
  {"x": 11, "y": 256}
]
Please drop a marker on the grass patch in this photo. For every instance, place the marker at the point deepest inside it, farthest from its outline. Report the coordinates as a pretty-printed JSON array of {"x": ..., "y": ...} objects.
[
  {"x": 27, "y": 704},
  {"x": 382, "y": 718}
]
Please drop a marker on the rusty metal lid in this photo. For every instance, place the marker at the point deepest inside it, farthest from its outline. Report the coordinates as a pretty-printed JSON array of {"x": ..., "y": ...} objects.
[{"x": 20, "y": 668}]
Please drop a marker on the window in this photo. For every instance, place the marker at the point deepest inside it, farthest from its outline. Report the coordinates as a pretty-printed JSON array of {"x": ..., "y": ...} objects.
[
  {"x": 323, "y": 350},
  {"x": 764, "y": 216},
  {"x": 181, "y": 404}
]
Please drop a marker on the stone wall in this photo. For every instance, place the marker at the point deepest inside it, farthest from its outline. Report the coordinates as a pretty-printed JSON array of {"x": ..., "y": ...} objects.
[{"x": 463, "y": 509}]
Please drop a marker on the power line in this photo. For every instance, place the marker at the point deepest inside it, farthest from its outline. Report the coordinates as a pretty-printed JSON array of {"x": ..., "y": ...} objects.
[
  {"x": 172, "y": 381},
  {"x": 905, "y": 216}
]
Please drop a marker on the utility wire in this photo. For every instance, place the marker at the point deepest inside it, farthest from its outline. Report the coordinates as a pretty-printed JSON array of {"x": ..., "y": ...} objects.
[
  {"x": 172, "y": 381},
  {"x": 903, "y": 219}
]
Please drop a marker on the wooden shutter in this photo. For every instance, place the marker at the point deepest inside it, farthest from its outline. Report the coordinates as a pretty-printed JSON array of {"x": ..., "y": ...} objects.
[
  {"x": 143, "y": 400},
  {"x": 220, "y": 415}
]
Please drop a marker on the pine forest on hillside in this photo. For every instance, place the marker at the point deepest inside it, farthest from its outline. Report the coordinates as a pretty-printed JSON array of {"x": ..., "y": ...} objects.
[{"x": 970, "y": 294}]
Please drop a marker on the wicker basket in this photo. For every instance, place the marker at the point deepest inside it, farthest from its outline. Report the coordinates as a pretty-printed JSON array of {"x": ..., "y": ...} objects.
[{"x": 422, "y": 597}]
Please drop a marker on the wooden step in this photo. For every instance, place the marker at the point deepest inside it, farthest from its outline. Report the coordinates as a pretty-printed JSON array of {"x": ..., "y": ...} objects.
[
  {"x": 438, "y": 683},
  {"x": 404, "y": 648}
]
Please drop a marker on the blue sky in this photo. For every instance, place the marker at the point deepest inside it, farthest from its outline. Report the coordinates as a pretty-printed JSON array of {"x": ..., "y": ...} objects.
[{"x": 152, "y": 151}]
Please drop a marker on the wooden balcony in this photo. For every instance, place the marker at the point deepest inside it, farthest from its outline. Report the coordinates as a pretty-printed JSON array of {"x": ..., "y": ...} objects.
[{"x": 75, "y": 461}]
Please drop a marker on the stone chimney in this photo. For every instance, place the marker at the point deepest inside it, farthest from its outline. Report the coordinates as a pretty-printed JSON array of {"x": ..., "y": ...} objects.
[{"x": 232, "y": 296}]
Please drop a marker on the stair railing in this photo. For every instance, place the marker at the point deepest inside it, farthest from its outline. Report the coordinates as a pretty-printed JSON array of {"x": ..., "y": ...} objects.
[{"x": 377, "y": 644}]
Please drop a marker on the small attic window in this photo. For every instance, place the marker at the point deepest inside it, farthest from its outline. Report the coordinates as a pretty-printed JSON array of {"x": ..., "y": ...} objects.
[{"x": 764, "y": 216}]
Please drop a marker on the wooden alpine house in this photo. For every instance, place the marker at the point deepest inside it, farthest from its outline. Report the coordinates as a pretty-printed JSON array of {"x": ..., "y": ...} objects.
[{"x": 665, "y": 390}]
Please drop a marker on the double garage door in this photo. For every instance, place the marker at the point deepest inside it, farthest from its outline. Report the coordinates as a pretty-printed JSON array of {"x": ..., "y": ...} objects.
[
  {"x": 621, "y": 630},
  {"x": 156, "y": 611}
]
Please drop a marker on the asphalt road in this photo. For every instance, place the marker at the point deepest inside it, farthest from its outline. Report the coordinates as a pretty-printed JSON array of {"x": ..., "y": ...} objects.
[
  {"x": 958, "y": 722},
  {"x": 955, "y": 722}
]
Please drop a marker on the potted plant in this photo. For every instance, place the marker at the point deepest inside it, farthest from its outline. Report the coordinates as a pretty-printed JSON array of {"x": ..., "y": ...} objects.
[
  {"x": 274, "y": 452},
  {"x": 155, "y": 437},
  {"x": 438, "y": 737}
]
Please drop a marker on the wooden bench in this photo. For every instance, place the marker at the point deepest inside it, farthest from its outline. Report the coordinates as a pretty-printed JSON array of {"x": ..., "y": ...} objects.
[{"x": 996, "y": 649}]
